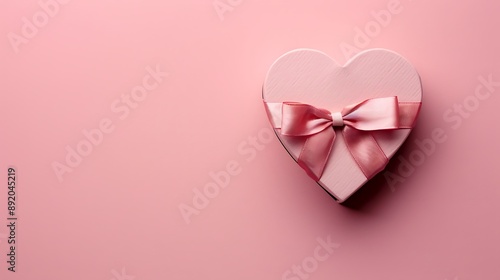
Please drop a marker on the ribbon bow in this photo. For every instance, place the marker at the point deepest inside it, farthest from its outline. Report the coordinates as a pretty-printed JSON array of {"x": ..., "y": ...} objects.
[{"x": 358, "y": 120}]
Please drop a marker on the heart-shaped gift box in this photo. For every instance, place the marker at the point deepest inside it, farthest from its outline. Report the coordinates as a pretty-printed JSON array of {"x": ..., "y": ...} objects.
[{"x": 342, "y": 124}]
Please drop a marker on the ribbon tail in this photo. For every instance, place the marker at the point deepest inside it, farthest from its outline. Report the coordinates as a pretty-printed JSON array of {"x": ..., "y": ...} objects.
[
  {"x": 316, "y": 151},
  {"x": 365, "y": 150}
]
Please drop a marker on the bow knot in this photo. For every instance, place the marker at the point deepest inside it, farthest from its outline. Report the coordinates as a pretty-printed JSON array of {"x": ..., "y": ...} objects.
[
  {"x": 337, "y": 119},
  {"x": 357, "y": 121}
]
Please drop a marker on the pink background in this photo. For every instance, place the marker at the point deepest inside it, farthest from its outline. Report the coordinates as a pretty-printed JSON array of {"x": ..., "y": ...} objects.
[{"x": 116, "y": 215}]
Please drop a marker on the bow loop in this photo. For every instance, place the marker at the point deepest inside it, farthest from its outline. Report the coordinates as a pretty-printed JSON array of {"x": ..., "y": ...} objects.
[
  {"x": 373, "y": 114},
  {"x": 301, "y": 119}
]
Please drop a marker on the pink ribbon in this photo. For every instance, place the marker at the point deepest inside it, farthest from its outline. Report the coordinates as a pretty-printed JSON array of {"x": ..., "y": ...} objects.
[{"x": 358, "y": 120}]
